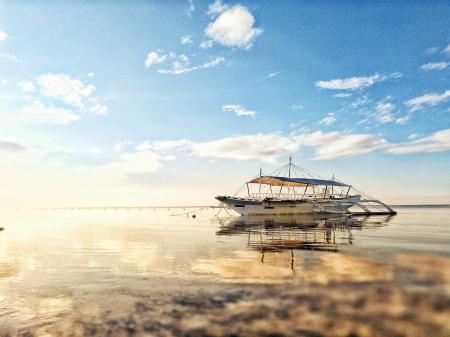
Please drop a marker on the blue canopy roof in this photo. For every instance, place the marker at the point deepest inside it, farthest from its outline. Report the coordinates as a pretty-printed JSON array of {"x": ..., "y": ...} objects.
[{"x": 280, "y": 181}]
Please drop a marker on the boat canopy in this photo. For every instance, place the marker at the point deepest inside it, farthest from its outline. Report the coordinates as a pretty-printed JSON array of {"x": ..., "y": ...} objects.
[{"x": 295, "y": 182}]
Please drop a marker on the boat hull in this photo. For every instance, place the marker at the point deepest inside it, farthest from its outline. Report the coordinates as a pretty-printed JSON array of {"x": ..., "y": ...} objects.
[{"x": 247, "y": 206}]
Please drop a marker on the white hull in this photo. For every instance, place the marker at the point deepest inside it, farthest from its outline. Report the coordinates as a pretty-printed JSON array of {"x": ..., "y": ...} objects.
[
  {"x": 246, "y": 206},
  {"x": 306, "y": 208}
]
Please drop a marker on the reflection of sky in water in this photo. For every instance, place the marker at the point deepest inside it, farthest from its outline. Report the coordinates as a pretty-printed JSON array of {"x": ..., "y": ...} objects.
[{"x": 46, "y": 258}]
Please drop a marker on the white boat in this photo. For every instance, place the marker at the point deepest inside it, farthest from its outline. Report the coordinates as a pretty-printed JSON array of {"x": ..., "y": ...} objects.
[{"x": 290, "y": 193}]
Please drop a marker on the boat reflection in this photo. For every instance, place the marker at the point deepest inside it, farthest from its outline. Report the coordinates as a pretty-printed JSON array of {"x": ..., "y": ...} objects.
[
  {"x": 298, "y": 232},
  {"x": 293, "y": 248}
]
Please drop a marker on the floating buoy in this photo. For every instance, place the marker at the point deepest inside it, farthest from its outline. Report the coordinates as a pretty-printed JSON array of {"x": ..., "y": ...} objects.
[{"x": 194, "y": 216}]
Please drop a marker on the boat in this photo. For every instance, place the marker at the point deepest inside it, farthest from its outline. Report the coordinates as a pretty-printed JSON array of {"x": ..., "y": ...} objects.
[{"x": 294, "y": 190}]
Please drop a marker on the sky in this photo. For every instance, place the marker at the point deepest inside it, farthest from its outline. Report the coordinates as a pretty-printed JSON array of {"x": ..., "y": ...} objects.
[{"x": 174, "y": 102}]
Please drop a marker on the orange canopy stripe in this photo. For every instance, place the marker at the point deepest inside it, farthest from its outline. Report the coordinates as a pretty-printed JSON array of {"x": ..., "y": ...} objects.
[{"x": 276, "y": 182}]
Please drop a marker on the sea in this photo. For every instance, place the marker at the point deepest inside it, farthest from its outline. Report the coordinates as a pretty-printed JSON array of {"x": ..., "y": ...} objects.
[{"x": 49, "y": 258}]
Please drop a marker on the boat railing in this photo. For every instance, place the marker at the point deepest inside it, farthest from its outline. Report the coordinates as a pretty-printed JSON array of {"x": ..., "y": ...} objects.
[{"x": 292, "y": 196}]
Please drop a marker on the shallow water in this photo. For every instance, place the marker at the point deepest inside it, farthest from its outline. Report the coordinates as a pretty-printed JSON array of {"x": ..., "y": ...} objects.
[{"x": 48, "y": 258}]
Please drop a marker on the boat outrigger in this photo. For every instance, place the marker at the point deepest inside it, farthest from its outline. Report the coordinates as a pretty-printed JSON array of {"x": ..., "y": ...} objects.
[{"x": 294, "y": 190}]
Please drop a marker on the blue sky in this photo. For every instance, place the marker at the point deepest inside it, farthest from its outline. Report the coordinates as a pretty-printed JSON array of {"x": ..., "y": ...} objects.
[{"x": 175, "y": 102}]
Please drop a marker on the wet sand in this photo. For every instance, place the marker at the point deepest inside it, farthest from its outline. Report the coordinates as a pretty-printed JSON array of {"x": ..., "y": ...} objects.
[{"x": 414, "y": 302}]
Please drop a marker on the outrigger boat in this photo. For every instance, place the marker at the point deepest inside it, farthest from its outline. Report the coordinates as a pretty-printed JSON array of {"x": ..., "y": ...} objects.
[{"x": 293, "y": 193}]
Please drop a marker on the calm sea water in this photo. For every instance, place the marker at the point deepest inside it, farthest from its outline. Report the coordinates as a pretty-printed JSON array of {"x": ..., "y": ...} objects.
[{"x": 48, "y": 257}]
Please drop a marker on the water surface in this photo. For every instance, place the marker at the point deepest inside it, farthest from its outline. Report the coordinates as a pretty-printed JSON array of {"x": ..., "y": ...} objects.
[{"x": 50, "y": 258}]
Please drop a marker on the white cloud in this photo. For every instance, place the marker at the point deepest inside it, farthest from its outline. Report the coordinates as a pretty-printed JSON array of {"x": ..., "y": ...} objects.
[
  {"x": 297, "y": 106},
  {"x": 191, "y": 8},
  {"x": 355, "y": 83},
  {"x": 62, "y": 86},
  {"x": 91, "y": 74},
  {"x": 207, "y": 44},
  {"x": 234, "y": 28},
  {"x": 430, "y": 99},
  {"x": 413, "y": 136},
  {"x": 265, "y": 147},
  {"x": 120, "y": 146},
  {"x": 335, "y": 145},
  {"x": 447, "y": 49},
  {"x": 342, "y": 95},
  {"x": 273, "y": 74},
  {"x": 180, "y": 66},
  {"x": 27, "y": 86},
  {"x": 360, "y": 102},
  {"x": 70, "y": 91},
  {"x": 95, "y": 150},
  {"x": 216, "y": 7},
  {"x": 96, "y": 106},
  {"x": 403, "y": 119},
  {"x": 431, "y": 50},
  {"x": 9, "y": 146},
  {"x": 270, "y": 146},
  {"x": 350, "y": 83},
  {"x": 328, "y": 119},
  {"x": 38, "y": 113},
  {"x": 269, "y": 76},
  {"x": 7, "y": 120},
  {"x": 436, "y": 142},
  {"x": 129, "y": 163},
  {"x": 154, "y": 58},
  {"x": 7, "y": 97},
  {"x": 186, "y": 39},
  {"x": 435, "y": 66},
  {"x": 238, "y": 110},
  {"x": 9, "y": 57},
  {"x": 165, "y": 145},
  {"x": 3, "y": 36},
  {"x": 383, "y": 112}
]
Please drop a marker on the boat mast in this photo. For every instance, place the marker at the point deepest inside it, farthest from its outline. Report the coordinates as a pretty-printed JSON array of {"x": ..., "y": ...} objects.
[
  {"x": 290, "y": 164},
  {"x": 260, "y": 175}
]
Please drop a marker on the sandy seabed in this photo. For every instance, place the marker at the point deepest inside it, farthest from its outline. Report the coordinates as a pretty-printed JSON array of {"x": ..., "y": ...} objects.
[{"x": 415, "y": 302}]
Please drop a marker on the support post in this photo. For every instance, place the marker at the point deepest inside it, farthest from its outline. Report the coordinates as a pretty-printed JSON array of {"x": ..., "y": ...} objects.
[
  {"x": 304, "y": 193},
  {"x": 332, "y": 185}
]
